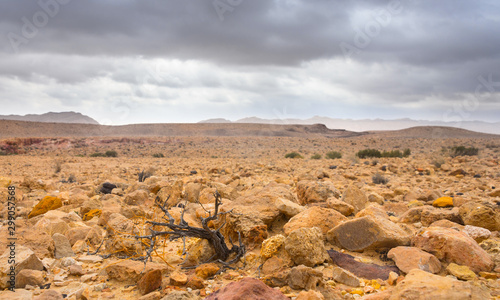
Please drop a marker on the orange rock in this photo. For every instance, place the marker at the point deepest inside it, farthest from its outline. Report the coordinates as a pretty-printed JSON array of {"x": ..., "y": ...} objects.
[
  {"x": 207, "y": 270},
  {"x": 46, "y": 204},
  {"x": 149, "y": 282},
  {"x": 93, "y": 213}
]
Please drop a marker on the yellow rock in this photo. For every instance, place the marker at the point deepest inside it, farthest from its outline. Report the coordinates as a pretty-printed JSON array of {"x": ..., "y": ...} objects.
[
  {"x": 92, "y": 213},
  {"x": 415, "y": 203},
  {"x": 46, "y": 204},
  {"x": 461, "y": 272},
  {"x": 271, "y": 245},
  {"x": 443, "y": 202},
  {"x": 5, "y": 182}
]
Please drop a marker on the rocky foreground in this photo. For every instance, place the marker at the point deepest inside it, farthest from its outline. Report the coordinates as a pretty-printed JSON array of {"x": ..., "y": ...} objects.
[{"x": 422, "y": 227}]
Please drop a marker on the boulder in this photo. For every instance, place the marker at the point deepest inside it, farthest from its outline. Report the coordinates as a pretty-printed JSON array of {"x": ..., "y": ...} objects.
[
  {"x": 29, "y": 277},
  {"x": 24, "y": 259},
  {"x": 323, "y": 218},
  {"x": 315, "y": 191},
  {"x": 409, "y": 258},
  {"x": 421, "y": 285},
  {"x": 431, "y": 215},
  {"x": 355, "y": 197},
  {"x": 247, "y": 289},
  {"x": 454, "y": 246},
  {"x": 368, "y": 233},
  {"x": 480, "y": 214},
  {"x": 306, "y": 246},
  {"x": 137, "y": 197},
  {"x": 46, "y": 204},
  {"x": 479, "y": 234}
]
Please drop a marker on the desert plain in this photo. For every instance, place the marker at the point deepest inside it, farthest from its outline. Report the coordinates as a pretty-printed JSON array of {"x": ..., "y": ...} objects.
[{"x": 424, "y": 226}]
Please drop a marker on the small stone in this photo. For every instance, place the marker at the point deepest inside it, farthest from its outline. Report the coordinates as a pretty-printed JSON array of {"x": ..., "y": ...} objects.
[
  {"x": 178, "y": 279},
  {"x": 345, "y": 277},
  {"x": 443, "y": 202},
  {"x": 195, "y": 283},
  {"x": 461, "y": 272},
  {"x": 149, "y": 282},
  {"x": 271, "y": 245},
  {"x": 90, "y": 259},
  {"x": 151, "y": 296},
  {"x": 207, "y": 270},
  {"x": 392, "y": 278},
  {"x": 355, "y": 197},
  {"x": 247, "y": 288},
  {"x": 62, "y": 246},
  {"x": 302, "y": 277},
  {"x": 76, "y": 270}
]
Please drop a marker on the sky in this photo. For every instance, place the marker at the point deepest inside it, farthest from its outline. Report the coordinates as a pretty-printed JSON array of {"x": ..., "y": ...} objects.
[{"x": 170, "y": 61}]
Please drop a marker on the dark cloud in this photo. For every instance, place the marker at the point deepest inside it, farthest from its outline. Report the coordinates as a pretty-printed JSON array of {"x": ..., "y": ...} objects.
[{"x": 400, "y": 51}]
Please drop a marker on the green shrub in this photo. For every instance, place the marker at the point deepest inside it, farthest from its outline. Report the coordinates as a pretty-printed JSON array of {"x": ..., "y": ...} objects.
[
  {"x": 293, "y": 155},
  {"x": 463, "y": 151},
  {"x": 368, "y": 153},
  {"x": 111, "y": 153},
  {"x": 316, "y": 156},
  {"x": 406, "y": 152},
  {"x": 158, "y": 155},
  {"x": 333, "y": 155},
  {"x": 379, "y": 179}
]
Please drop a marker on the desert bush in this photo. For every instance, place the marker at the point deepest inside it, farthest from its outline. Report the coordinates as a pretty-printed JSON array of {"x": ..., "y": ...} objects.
[
  {"x": 379, "y": 179},
  {"x": 316, "y": 156},
  {"x": 57, "y": 166},
  {"x": 368, "y": 153},
  {"x": 158, "y": 155},
  {"x": 293, "y": 155},
  {"x": 463, "y": 151},
  {"x": 333, "y": 155},
  {"x": 438, "y": 162},
  {"x": 111, "y": 153}
]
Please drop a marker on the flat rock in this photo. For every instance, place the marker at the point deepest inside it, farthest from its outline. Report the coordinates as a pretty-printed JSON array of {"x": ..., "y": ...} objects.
[
  {"x": 18, "y": 294},
  {"x": 247, "y": 289},
  {"x": 344, "y": 208},
  {"x": 29, "y": 277},
  {"x": 367, "y": 271},
  {"x": 409, "y": 258},
  {"x": 461, "y": 272},
  {"x": 345, "y": 277},
  {"x": 368, "y": 233},
  {"x": 131, "y": 271},
  {"x": 453, "y": 246}
]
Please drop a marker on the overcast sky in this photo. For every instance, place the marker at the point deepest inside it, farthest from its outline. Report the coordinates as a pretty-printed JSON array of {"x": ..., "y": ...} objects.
[{"x": 167, "y": 61}]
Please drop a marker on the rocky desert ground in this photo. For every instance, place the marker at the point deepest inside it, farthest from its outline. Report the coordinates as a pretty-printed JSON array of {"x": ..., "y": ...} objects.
[{"x": 424, "y": 226}]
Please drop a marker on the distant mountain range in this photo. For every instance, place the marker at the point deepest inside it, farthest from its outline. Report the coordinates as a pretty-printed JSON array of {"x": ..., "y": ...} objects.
[
  {"x": 370, "y": 124},
  {"x": 53, "y": 117}
]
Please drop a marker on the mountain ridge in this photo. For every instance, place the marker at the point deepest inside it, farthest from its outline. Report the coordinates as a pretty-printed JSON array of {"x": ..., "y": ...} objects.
[{"x": 53, "y": 117}]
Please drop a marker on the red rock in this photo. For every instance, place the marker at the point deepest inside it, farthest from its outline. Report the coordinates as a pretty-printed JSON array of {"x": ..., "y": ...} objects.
[
  {"x": 149, "y": 282},
  {"x": 247, "y": 289},
  {"x": 454, "y": 246},
  {"x": 409, "y": 258},
  {"x": 368, "y": 271}
]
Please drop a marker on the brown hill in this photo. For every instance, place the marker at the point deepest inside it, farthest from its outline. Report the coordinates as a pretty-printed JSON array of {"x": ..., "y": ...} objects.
[
  {"x": 37, "y": 129},
  {"x": 53, "y": 117},
  {"x": 10, "y": 129}
]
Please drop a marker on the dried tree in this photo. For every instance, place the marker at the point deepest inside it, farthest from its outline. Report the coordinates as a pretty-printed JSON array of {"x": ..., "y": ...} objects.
[{"x": 183, "y": 230}]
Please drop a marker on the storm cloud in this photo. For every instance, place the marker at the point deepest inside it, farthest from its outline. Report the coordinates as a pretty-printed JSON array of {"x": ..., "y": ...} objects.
[{"x": 184, "y": 61}]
